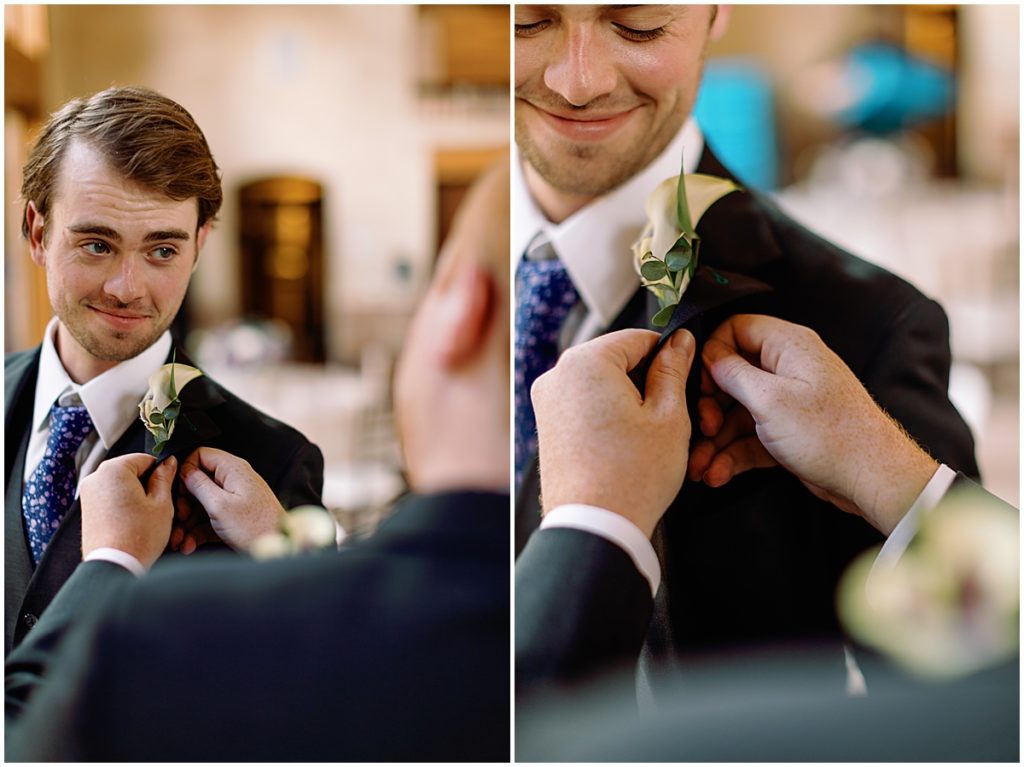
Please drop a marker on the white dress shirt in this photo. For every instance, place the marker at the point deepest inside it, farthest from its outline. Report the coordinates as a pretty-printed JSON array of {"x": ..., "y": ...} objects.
[
  {"x": 595, "y": 242},
  {"x": 111, "y": 398}
]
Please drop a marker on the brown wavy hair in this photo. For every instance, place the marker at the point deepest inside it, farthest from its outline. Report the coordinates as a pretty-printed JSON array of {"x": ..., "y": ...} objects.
[{"x": 146, "y": 137}]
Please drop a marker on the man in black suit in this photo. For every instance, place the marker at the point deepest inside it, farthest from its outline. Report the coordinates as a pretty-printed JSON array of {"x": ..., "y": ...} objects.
[
  {"x": 395, "y": 649},
  {"x": 603, "y": 96},
  {"x": 583, "y": 601},
  {"x": 120, "y": 193}
]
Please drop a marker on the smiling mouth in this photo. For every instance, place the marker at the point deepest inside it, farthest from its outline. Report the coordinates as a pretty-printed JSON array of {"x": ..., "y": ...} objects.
[
  {"x": 119, "y": 318},
  {"x": 587, "y": 127}
]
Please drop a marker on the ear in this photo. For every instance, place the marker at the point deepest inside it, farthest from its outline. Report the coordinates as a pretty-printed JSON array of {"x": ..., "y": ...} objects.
[
  {"x": 464, "y": 316},
  {"x": 721, "y": 22},
  {"x": 36, "y": 224},
  {"x": 201, "y": 235}
]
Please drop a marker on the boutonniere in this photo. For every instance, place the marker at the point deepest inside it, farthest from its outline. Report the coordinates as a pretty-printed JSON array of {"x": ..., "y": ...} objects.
[
  {"x": 305, "y": 528},
  {"x": 160, "y": 408},
  {"x": 666, "y": 253}
]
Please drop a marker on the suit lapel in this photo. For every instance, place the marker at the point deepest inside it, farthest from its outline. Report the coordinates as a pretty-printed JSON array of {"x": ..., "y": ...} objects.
[
  {"x": 19, "y": 380},
  {"x": 738, "y": 244},
  {"x": 64, "y": 552}
]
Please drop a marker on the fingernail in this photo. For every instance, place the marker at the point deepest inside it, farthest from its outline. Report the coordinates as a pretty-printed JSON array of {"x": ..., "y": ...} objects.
[{"x": 683, "y": 341}]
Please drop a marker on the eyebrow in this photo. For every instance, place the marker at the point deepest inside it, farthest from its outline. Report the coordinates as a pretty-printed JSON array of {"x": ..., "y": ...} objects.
[{"x": 111, "y": 234}]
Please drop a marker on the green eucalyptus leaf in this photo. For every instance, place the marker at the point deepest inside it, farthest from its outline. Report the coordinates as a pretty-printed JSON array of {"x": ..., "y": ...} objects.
[
  {"x": 676, "y": 261},
  {"x": 661, "y": 319},
  {"x": 682, "y": 209},
  {"x": 171, "y": 411},
  {"x": 653, "y": 270},
  {"x": 156, "y": 418}
]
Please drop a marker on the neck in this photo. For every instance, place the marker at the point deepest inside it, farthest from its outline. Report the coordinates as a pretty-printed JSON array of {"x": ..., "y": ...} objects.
[
  {"x": 80, "y": 366},
  {"x": 554, "y": 204}
]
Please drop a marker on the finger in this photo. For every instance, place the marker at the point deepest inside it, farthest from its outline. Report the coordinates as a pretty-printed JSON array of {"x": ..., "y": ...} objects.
[
  {"x": 177, "y": 536},
  {"x": 763, "y": 338},
  {"x": 202, "y": 487},
  {"x": 738, "y": 424},
  {"x": 701, "y": 455},
  {"x": 188, "y": 545},
  {"x": 710, "y": 415},
  {"x": 203, "y": 534},
  {"x": 161, "y": 481},
  {"x": 182, "y": 505},
  {"x": 136, "y": 462},
  {"x": 626, "y": 347},
  {"x": 666, "y": 379},
  {"x": 747, "y": 384},
  {"x": 737, "y": 457}
]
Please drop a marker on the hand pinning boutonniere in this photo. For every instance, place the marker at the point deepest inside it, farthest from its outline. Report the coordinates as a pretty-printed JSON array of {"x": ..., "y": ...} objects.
[
  {"x": 666, "y": 253},
  {"x": 160, "y": 408}
]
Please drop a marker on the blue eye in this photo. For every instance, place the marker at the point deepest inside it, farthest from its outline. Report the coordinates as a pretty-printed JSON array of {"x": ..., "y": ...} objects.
[
  {"x": 97, "y": 248},
  {"x": 164, "y": 253}
]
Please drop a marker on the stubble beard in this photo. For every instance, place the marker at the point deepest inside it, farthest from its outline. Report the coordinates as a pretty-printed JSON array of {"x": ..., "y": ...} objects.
[{"x": 111, "y": 345}]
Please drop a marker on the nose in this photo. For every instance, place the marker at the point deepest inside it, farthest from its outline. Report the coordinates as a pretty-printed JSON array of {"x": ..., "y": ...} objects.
[
  {"x": 581, "y": 69},
  {"x": 125, "y": 283}
]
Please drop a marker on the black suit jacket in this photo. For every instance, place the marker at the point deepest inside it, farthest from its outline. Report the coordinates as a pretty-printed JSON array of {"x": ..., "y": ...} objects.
[
  {"x": 758, "y": 560},
  {"x": 582, "y": 612},
  {"x": 291, "y": 465},
  {"x": 394, "y": 649}
]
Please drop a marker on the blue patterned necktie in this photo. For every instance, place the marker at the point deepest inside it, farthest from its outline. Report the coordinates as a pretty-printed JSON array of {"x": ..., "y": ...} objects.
[
  {"x": 544, "y": 297},
  {"x": 50, "y": 489}
]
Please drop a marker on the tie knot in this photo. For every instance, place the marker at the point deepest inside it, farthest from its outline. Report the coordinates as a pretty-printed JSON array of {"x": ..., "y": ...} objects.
[{"x": 69, "y": 426}]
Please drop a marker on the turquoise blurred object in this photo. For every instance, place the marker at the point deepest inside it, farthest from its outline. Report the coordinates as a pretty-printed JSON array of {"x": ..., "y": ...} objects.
[
  {"x": 895, "y": 90},
  {"x": 736, "y": 113}
]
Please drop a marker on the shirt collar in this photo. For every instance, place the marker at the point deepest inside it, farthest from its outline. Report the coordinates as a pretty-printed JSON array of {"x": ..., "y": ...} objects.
[
  {"x": 594, "y": 243},
  {"x": 112, "y": 398}
]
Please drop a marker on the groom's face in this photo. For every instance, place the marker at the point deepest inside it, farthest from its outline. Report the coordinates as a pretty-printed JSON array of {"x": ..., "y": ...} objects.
[
  {"x": 118, "y": 259},
  {"x": 601, "y": 90}
]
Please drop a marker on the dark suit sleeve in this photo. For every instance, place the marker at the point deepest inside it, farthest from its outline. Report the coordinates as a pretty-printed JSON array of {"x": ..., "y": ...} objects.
[
  {"x": 91, "y": 586},
  {"x": 582, "y": 607},
  {"x": 910, "y": 378},
  {"x": 301, "y": 481}
]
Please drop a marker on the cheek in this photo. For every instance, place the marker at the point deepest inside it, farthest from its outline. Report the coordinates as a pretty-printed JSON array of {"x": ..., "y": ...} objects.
[
  {"x": 527, "y": 65},
  {"x": 667, "y": 79},
  {"x": 167, "y": 288}
]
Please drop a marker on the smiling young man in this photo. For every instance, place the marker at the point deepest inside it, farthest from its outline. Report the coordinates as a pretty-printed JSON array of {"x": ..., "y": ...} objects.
[
  {"x": 602, "y": 114},
  {"x": 120, "y": 193}
]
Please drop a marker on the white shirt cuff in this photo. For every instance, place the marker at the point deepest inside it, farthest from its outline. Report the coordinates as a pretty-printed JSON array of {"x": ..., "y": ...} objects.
[
  {"x": 612, "y": 527},
  {"x": 901, "y": 536},
  {"x": 118, "y": 557}
]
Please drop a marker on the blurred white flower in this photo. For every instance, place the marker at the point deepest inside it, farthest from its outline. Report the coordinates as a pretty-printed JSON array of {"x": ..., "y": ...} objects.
[
  {"x": 951, "y": 604},
  {"x": 304, "y": 528}
]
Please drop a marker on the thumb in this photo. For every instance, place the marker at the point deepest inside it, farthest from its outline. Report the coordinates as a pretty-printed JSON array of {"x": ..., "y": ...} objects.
[
  {"x": 747, "y": 384},
  {"x": 161, "y": 479},
  {"x": 136, "y": 462},
  {"x": 199, "y": 483},
  {"x": 666, "y": 378}
]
